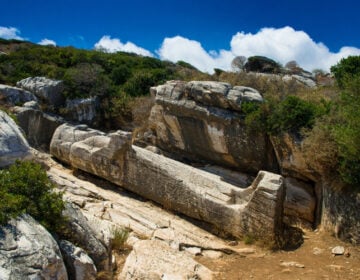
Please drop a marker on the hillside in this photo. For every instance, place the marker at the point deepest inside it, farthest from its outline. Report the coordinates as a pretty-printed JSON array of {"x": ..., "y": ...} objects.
[
  {"x": 114, "y": 78},
  {"x": 191, "y": 169}
]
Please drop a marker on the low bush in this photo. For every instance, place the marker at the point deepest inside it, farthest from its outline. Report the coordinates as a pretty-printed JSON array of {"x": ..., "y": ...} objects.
[
  {"x": 25, "y": 188},
  {"x": 292, "y": 114},
  {"x": 118, "y": 238}
]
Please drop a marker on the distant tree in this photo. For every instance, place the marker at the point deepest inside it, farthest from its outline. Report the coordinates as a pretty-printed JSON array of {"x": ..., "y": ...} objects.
[
  {"x": 238, "y": 63},
  {"x": 218, "y": 71},
  {"x": 262, "y": 64},
  {"x": 318, "y": 72}
]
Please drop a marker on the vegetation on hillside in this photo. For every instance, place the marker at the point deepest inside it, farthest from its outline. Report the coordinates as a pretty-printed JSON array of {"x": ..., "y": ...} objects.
[
  {"x": 325, "y": 117},
  {"x": 341, "y": 125},
  {"x": 116, "y": 78},
  {"x": 25, "y": 188}
]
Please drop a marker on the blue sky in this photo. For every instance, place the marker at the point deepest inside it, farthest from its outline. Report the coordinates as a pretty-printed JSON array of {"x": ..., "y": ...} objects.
[{"x": 207, "y": 34}]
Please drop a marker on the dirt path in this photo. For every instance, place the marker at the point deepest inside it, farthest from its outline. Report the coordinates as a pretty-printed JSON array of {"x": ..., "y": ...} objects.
[{"x": 314, "y": 255}]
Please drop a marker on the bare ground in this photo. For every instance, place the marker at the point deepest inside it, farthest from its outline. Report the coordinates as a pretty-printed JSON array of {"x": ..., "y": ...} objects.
[{"x": 312, "y": 260}]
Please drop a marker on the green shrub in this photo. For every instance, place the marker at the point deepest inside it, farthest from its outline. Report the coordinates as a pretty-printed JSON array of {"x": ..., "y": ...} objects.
[
  {"x": 291, "y": 114},
  {"x": 262, "y": 64},
  {"x": 346, "y": 69},
  {"x": 346, "y": 131},
  {"x": 118, "y": 237},
  {"x": 25, "y": 188}
]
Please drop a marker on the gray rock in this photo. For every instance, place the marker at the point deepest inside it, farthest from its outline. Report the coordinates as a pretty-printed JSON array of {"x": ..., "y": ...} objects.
[
  {"x": 340, "y": 212},
  {"x": 48, "y": 90},
  {"x": 291, "y": 158},
  {"x": 92, "y": 150},
  {"x": 154, "y": 259},
  {"x": 84, "y": 236},
  {"x": 32, "y": 104},
  {"x": 39, "y": 127},
  {"x": 28, "y": 250},
  {"x": 305, "y": 80},
  {"x": 106, "y": 209},
  {"x": 194, "y": 192},
  {"x": 338, "y": 250},
  {"x": 203, "y": 122},
  {"x": 82, "y": 110},
  {"x": 13, "y": 144},
  {"x": 292, "y": 264},
  {"x": 79, "y": 265},
  {"x": 300, "y": 203},
  {"x": 13, "y": 95},
  {"x": 337, "y": 205}
]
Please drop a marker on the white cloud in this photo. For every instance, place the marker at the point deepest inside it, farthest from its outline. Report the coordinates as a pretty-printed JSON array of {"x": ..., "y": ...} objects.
[
  {"x": 282, "y": 44},
  {"x": 115, "y": 45},
  {"x": 46, "y": 42},
  {"x": 180, "y": 48},
  {"x": 10, "y": 33}
]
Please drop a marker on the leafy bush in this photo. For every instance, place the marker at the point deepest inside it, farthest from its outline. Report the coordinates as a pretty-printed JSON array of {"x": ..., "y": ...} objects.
[
  {"x": 346, "y": 69},
  {"x": 335, "y": 140},
  {"x": 113, "y": 77},
  {"x": 25, "y": 188},
  {"x": 289, "y": 115},
  {"x": 346, "y": 131}
]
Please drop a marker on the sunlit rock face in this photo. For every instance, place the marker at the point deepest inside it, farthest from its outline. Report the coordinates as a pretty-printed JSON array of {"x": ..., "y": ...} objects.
[
  {"x": 204, "y": 121},
  {"x": 13, "y": 144},
  {"x": 192, "y": 191}
]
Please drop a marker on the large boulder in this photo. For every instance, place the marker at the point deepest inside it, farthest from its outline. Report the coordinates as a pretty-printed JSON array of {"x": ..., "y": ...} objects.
[
  {"x": 13, "y": 144},
  {"x": 28, "y": 251},
  {"x": 13, "y": 95},
  {"x": 80, "y": 233},
  {"x": 92, "y": 150},
  {"x": 79, "y": 265},
  {"x": 194, "y": 192},
  {"x": 203, "y": 121},
  {"x": 336, "y": 205},
  {"x": 205, "y": 196},
  {"x": 340, "y": 213},
  {"x": 154, "y": 259},
  {"x": 48, "y": 90},
  {"x": 82, "y": 110},
  {"x": 300, "y": 203},
  {"x": 38, "y": 126},
  {"x": 292, "y": 161}
]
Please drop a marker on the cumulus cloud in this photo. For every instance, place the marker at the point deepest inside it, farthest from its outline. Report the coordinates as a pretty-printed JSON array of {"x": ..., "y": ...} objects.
[
  {"x": 114, "y": 45},
  {"x": 10, "y": 33},
  {"x": 46, "y": 42},
  {"x": 281, "y": 44},
  {"x": 180, "y": 48}
]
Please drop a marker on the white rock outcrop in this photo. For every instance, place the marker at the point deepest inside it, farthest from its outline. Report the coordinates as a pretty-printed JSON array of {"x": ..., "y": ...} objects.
[
  {"x": 79, "y": 265},
  {"x": 177, "y": 186},
  {"x": 13, "y": 144},
  {"x": 203, "y": 121},
  {"x": 154, "y": 259},
  {"x": 48, "y": 90},
  {"x": 28, "y": 251},
  {"x": 14, "y": 95}
]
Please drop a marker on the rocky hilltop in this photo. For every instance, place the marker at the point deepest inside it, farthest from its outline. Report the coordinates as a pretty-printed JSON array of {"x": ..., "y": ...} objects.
[{"x": 195, "y": 157}]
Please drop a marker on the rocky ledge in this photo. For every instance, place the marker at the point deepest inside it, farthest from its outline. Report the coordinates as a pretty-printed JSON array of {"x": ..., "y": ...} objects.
[{"x": 238, "y": 210}]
